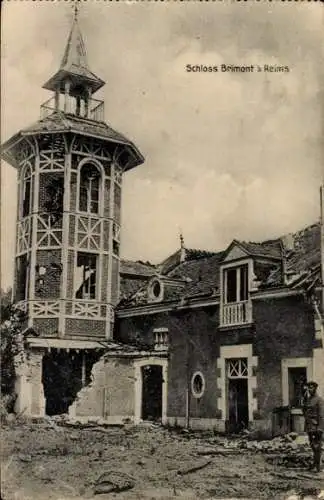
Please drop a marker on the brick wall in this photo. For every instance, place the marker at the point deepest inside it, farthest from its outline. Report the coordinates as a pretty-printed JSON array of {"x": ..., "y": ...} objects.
[
  {"x": 73, "y": 191},
  {"x": 105, "y": 263},
  {"x": 50, "y": 186},
  {"x": 51, "y": 260},
  {"x": 89, "y": 328},
  {"x": 107, "y": 198},
  {"x": 46, "y": 327},
  {"x": 117, "y": 203}
]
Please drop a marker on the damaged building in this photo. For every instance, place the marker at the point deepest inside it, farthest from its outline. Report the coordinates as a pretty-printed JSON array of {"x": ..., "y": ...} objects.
[{"x": 221, "y": 340}]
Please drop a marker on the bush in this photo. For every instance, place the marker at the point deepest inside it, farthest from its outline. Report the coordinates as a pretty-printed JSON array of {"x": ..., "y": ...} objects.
[{"x": 7, "y": 402}]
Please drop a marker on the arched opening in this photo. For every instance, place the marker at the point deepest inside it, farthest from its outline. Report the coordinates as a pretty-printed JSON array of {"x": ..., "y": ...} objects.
[
  {"x": 152, "y": 380},
  {"x": 89, "y": 190}
]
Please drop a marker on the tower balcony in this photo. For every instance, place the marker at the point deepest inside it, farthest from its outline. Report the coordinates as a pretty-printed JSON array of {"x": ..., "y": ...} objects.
[{"x": 91, "y": 109}]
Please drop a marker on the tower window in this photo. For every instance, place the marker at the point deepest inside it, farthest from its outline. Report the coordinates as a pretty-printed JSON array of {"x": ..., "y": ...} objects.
[
  {"x": 86, "y": 276},
  {"x": 26, "y": 192},
  {"x": 22, "y": 278},
  {"x": 89, "y": 189}
]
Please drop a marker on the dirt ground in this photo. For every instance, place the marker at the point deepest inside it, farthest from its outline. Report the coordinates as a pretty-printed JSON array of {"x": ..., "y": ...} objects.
[{"x": 44, "y": 460}]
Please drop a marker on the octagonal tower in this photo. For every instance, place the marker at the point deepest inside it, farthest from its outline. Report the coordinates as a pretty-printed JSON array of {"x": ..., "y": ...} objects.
[{"x": 70, "y": 166}]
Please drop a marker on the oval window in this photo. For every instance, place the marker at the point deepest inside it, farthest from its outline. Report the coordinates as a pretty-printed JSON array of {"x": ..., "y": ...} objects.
[
  {"x": 197, "y": 385},
  {"x": 156, "y": 289}
]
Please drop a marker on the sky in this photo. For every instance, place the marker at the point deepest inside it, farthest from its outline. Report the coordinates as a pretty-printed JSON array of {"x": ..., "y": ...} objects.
[{"x": 227, "y": 155}]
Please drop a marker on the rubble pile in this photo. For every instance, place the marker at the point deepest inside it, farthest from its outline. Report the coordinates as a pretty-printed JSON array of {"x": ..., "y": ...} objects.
[{"x": 288, "y": 443}]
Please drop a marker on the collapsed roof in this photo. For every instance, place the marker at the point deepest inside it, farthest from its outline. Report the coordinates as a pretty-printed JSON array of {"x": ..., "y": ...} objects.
[{"x": 291, "y": 261}]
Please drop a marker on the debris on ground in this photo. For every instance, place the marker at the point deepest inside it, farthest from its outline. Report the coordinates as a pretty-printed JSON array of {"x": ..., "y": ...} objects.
[
  {"x": 113, "y": 481},
  {"x": 194, "y": 468},
  {"x": 167, "y": 463}
]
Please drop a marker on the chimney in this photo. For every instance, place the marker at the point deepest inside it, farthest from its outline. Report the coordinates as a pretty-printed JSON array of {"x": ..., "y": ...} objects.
[
  {"x": 287, "y": 246},
  {"x": 288, "y": 242}
]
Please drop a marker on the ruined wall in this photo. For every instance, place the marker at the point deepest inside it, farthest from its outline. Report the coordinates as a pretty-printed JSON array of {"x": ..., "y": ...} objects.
[{"x": 110, "y": 394}]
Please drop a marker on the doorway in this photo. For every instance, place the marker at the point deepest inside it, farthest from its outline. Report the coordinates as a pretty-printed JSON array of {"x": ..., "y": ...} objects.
[
  {"x": 152, "y": 381},
  {"x": 238, "y": 410},
  {"x": 237, "y": 395}
]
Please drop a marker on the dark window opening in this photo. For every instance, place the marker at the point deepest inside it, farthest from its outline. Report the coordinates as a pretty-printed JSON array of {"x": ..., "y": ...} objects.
[
  {"x": 26, "y": 197},
  {"x": 115, "y": 247},
  {"x": 22, "y": 278},
  {"x": 152, "y": 381},
  {"x": 236, "y": 284},
  {"x": 86, "y": 276},
  {"x": 238, "y": 408},
  {"x": 156, "y": 289},
  {"x": 231, "y": 277},
  {"x": 198, "y": 385},
  {"x": 53, "y": 203},
  {"x": 89, "y": 189},
  {"x": 244, "y": 286},
  {"x": 297, "y": 378}
]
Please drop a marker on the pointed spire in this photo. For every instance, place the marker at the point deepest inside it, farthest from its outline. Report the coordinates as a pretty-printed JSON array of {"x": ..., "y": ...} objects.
[
  {"x": 75, "y": 51},
  {"x": 74, "y": 65}
]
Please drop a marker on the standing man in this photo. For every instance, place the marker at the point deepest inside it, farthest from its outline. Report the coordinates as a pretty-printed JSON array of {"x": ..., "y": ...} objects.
[{"x": 314, "y": 422}]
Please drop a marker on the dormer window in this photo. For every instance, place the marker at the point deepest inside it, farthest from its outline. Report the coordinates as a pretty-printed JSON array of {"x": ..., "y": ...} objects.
[{"x": 235, "y": 303}]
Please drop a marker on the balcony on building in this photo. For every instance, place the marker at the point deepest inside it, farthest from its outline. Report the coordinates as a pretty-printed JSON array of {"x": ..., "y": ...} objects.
[
  {"x": 239, "y": 313},
  {"x": 91, "y": 109}
]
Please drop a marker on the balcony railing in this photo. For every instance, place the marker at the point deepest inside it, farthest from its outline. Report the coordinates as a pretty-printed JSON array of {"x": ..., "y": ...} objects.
[
  {"x": 92, "y": 110},
  {"x": 238, "y": 313}
]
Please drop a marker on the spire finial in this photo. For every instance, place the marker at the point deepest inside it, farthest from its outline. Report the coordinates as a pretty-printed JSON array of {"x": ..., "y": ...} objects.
[
  {"x": 181, "y": 239},
  {"x": 182, "y": 247},
  {"x": 76, "y": 10}
]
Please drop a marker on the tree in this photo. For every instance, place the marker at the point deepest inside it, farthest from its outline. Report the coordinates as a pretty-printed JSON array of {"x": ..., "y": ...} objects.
[{"x": 12, "y": 342}]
